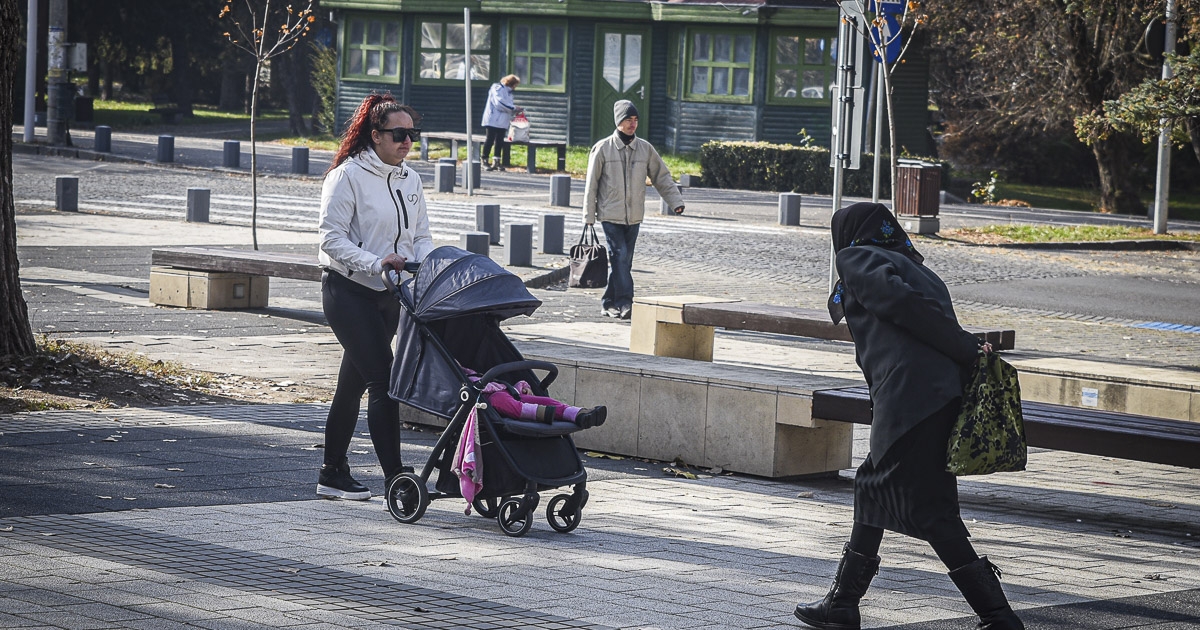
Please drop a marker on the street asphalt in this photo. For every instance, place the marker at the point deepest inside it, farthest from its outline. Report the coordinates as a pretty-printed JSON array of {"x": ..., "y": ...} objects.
[{"x": 204, "y": 516}]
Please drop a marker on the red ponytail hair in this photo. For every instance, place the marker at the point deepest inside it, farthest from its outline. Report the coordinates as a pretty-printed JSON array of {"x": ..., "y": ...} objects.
[{"x": 371, "y": 114}]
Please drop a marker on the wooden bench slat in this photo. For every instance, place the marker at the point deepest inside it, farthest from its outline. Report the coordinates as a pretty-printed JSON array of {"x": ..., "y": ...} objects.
[
  {"x": 787, "y": 320},
  {"x": 1058, "y": 427},
  {"x": 276, "y": 264}
]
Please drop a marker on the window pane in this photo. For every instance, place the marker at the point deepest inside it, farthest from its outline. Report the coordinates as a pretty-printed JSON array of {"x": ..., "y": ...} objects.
[
  {"x": 539, "y": 40},
  {"x": 814, "y": 84},
  {"x": 699, "y": 80},
  {"x": 481, "y": 66},
  {"x": 741, "y": 81},
  {"x": 391, "y": 63},
  {"x": 700, "y": 45},
  {"x": 611, "y": 63},
  {"x": 633, "y": 60},
  {"x": 720, "y": 81},
  {"x": 355, "y": 61},
  {"x": 431, "y": 35},
  {"x": 814, "y": 51},
  {"x": 375, "y": 33},
  {"x": 558, "y": 40},
  {"x": 455, "y": 66},
  {"x": 431, "y": 65},
  {"x": 374, "y": 65},
  {"x": 743, "y": 49},
  {"x": 833, "y": 46},
  {"x": 521, "y": 67},
  {"x": 521, "y": 40},
  {"x": 785, "y": 83},
  {"x": 537, "y": 71},
  {"x": 787, "y": 51},
  {"x": 392, "y": 35},
  {"x": 556, "y": 71},
  {"x": 356, "y": 31},
  {"x": 481, "y": 36},
  {"x": 454, "y": 37},
  {"x": 722, "y": 48}
]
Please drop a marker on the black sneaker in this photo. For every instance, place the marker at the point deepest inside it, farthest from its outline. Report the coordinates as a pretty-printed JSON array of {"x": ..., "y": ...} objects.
[
  {"x": 592, "y": 417},
  {"x": 335, "y": 482}
]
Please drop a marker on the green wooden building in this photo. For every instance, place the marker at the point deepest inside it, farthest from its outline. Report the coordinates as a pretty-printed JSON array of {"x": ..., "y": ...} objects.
[{"x": 698, "y": 70}]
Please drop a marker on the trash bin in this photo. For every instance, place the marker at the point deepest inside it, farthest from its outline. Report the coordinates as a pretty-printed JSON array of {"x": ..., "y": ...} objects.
[
  {"x": 84, "y": 108},
  {"x": 917, "y": 195}
]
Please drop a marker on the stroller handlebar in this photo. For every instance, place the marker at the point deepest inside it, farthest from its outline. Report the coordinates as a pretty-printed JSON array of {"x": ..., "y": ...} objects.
[
  {"x": 389, "y": 269},
  {"x": 517, "y": 366}
]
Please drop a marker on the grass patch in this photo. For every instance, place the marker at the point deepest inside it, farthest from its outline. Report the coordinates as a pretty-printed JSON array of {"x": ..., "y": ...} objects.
[
  {"x": 127, "y": 114},
  {"x": 1183, "y": 205},
  {"x": 996, "y": 234}
]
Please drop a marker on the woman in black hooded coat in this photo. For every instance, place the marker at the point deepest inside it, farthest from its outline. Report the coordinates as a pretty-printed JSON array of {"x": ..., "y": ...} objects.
[{"x": 915, "y": 358}]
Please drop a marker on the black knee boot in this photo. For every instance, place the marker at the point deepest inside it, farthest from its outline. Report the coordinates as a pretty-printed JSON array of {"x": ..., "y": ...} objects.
[
  {"x": 839, "y": 609},
  {"x": 980, "y": 585}
]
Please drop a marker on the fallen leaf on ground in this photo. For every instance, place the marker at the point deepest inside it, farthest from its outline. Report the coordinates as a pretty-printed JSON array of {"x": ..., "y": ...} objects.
[
  {"x": 804, "y": 495},
  {"x": 602, "y": 455},
  {"x": 678, "y": 473}
]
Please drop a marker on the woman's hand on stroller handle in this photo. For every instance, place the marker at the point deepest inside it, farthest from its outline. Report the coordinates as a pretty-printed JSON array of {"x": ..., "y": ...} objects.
[{"x": 392, "y": 264}]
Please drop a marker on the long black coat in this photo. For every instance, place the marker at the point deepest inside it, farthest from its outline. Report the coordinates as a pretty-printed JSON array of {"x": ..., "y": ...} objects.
[{"x": 907, "y": 340}]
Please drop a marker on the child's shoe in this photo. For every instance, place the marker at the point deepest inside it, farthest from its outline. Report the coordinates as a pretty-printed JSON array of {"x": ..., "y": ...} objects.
[{"x": 591, "y": 417}]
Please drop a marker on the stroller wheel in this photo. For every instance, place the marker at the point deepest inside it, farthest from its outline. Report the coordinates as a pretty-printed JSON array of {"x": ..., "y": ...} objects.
[
  {"x": 407, "y": 497},
  {"x": 487, "y": 508},
  {"x": 562, "y": 518},
  {"x": 508, "y": 522}
]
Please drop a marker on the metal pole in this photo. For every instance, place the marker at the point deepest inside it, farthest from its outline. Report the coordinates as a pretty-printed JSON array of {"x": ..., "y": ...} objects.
[
  {"x": 1162, "y": 186},
  {"x": 468, "y": 170},
  {"x": 878, "y": 132},
  {"x": 57, "y": 96},
  {"x": 841, "y": 135},
  {"x": 31, "y": 49}
]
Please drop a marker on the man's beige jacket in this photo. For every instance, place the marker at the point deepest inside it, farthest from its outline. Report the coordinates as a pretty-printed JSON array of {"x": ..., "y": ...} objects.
[{"x": 616, "y": 181}]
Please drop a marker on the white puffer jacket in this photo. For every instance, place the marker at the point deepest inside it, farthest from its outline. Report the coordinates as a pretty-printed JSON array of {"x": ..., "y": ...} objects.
[{"x": 370, "y": 209}]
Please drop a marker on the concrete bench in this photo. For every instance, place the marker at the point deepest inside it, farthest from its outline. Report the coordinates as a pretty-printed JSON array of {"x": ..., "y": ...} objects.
[
  {"x": 743, "y": 419},
  {"x": 683, "y": 325},
  {"x": 211, "y": 278},
  {"x": 1059, "y": 427},
  {"x": 532, "y": 146}
]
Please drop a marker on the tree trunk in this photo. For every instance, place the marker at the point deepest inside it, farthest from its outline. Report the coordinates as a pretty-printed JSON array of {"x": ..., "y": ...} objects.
[
  {"x": 295, "y": 82},
  {"x": 1118, "y": 191},
  {"x": 16, "y": 337},
  {"x": 254, "y": 157},
  {"x": 233, "y": 89},
  {"x": 891, "y": 116},
  {"x": 1192, "y": 125},
  {"x": 181, "y": 73}
]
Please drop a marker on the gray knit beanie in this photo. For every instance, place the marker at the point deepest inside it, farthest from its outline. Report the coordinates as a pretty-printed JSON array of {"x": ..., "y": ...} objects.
[{"x": 623, "y": 110}]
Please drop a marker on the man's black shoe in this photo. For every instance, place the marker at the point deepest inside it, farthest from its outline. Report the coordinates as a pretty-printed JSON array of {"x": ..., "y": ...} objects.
[{"x": 335, "y": 482}]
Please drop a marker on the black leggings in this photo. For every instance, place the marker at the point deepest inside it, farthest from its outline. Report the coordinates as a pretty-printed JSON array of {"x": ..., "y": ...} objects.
[
  {"x": 954, "y": 552},
  {"x": 364, "y": 322},
  {"x": 495, "y": 137}
]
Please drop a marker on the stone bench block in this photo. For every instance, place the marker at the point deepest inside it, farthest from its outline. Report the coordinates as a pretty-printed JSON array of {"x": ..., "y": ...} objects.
[{"x": 207, "y": 290}]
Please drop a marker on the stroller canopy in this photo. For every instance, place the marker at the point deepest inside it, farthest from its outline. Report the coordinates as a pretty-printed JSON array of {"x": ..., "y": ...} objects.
[
  {"x": 458, "y": 299},
  {"x": 453, "y": 282}
]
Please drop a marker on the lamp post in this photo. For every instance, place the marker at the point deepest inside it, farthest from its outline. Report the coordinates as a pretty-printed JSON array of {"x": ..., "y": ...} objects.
[{"x": 1162, "y": 185}]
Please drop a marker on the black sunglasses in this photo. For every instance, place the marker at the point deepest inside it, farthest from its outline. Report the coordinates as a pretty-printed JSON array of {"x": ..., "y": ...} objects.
[{"x": 400, "y": 133}]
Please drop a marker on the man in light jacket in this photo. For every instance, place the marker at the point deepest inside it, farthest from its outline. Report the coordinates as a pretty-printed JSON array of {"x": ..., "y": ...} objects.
[{"x": 616, "y": 194}]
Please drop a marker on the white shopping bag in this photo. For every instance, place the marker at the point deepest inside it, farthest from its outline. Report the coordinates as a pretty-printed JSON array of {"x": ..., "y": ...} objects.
[{"x": 518, "y": 130}]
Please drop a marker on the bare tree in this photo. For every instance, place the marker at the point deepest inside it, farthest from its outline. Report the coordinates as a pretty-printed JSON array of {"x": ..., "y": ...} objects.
[
  {"x": 16, "y": 337},
  {"x": 253, "y": 38}
]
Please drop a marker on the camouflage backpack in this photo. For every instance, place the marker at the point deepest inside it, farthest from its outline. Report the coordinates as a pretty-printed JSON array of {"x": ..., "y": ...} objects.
[{"x": 989, "y": 435}]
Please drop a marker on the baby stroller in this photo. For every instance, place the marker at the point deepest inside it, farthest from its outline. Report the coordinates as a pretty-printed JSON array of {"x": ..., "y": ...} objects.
[{"x": 452, "y": 309}]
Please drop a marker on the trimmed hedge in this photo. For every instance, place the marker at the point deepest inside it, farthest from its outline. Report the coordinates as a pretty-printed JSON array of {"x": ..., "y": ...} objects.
[{"x": 787, "y": 168}]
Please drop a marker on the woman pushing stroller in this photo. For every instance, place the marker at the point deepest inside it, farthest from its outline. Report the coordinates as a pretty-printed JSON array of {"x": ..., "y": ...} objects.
[{"x": 372, "y": 215}]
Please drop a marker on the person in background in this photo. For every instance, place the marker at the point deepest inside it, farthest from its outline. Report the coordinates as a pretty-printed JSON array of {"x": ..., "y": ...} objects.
[
  {"x": 497, "y": 116},
  {"x": 615, "y": 194},
  {"x": 916, "y": 359},
  {"x": 373, "y": 215}
]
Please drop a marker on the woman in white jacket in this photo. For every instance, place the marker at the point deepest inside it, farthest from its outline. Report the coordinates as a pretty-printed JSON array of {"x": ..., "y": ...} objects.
[
  {"x": 372, "y": 214},
  {"x": 497, "y": 115}
]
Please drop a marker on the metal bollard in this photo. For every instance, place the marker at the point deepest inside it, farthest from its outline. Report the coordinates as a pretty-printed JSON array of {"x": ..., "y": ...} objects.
[
  {"x": 443, "y": 178},
  {"x": 475, "y": 170},
  {"x": 475, "y": 242},
  {"x": 233, "y": 154},
  {"x": 689, "y": 181},
  {"x": 197, "y": 205},
  {"x": 487, "y": 219},
  {"x": 103, "y": 141},
  {"x": 560, "y": 190},
  {"x": 789, "y": 208},
  {"x": 66, "y": 193},
  {"x": 300, "y": 160},
  {"x": 166, "y": 148},
  {"x": 664, "y": 208},
  {"x": 518, "y": 244},
  {"x": 550, "y": 232}
]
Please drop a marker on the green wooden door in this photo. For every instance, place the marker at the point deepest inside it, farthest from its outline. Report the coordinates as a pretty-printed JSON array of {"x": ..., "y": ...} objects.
[{"x": 622, "y": 72}]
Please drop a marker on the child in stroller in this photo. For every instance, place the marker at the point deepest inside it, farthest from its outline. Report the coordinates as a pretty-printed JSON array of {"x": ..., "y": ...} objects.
[{"x": 520, "y": 403}]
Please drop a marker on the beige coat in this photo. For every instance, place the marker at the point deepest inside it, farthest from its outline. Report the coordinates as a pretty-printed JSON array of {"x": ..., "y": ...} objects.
[{"x": 616, "y": 181}]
